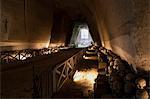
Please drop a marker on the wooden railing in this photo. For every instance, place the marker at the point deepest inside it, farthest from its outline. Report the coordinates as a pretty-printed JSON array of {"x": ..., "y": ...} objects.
[
  {"x": 49, "y": 82},
  {"x": 64, "y": 70},
  {"x": 7, "y": 57}
]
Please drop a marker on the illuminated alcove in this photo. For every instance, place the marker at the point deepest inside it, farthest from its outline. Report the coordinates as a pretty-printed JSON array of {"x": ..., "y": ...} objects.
[{"x": 81, "y": 36}]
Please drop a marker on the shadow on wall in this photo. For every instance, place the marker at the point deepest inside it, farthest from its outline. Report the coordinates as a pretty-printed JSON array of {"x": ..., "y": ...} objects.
[{"x": 123, "y": 46}]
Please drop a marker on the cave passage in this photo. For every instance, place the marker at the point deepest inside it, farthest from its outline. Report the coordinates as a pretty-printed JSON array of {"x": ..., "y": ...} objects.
[
  {"x": 104, "y": 44},
  {"x": 81, "y": 36}
]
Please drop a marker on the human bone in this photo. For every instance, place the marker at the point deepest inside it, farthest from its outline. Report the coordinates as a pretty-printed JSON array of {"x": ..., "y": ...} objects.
[
  {"x": 141, "y": 83},
  {"x": 142, "y": 94}
]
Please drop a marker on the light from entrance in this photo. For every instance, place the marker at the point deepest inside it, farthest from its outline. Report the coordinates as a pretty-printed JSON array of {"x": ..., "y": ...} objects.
[
  {"x": 84, "y": 38},
  {"x": 81, "y": 37}
]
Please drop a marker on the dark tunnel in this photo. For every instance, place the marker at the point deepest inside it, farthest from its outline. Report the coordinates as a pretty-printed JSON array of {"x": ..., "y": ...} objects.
[{"x": 47, "y": 45}]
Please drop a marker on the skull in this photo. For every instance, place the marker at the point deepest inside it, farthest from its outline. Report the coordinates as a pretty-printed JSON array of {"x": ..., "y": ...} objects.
[
  {"x": 101, "y": 48},
  {"x": 116, "y": 63},
  {"x": 115, "y": 67},
  {"x": 114, "y": 72},
  {"x": 142, "y": 94},
  {"x": 117, "y": 87},
  {"x": 111, "y": 63},
  {"x": 112, "y": 79},
  {"x": 141, "y": 83},
  {"x": 109, "y": 58},
  {"x": 121, "y": 67},
  {"x": 110, "y": 69},
  {"x": 121, "y": 73},
  {"x": 129, "y": 77},
  {"x": 129, "y": 88},
  {"x": 104, "y": 51}
]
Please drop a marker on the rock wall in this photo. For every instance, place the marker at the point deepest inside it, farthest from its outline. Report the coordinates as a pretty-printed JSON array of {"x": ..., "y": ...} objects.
[
  {"x": 25, "y": 23},
  {"x": 124, "y": 28},
  {"x": 123, "y": 25},
  {"x": 60, "y": 29},
  {"x": 140, "y": 33}
]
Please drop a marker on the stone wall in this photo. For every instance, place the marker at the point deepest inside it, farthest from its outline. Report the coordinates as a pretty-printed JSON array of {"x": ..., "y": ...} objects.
[
  {"x": 27, "y": 23},
  {"x": 140, "y": 33},
  {"x": 60, "y": 29},
  {"x": 123, "y": 25},
  {"x": 124, "y": 28}
]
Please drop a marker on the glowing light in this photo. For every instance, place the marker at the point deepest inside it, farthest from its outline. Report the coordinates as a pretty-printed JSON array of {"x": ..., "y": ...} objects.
[
  {"x": 90, "y": 57},
  {"x": 18, "y": 57},
  {"x": 22, "y": 57},
  {"x": 84, "y": 33},
  {"x": 47, "y": 45},
  {"x": 90, "y": 52},
  {"x": 78, "y": 76},
  {"x": 53, "y": 45},
  {"x": 81, "y": 37},
  {"x": 86, "y": 78}
]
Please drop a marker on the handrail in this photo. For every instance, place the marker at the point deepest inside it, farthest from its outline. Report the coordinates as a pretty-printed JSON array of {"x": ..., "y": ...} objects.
[
  {"x": 54, "y": 78},
  {"x": 8, "y": 57},
  {"x": 64, "y": 72}
]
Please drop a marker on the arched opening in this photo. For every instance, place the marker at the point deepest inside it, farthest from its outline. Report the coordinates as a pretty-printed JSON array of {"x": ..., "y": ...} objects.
[{"x": 81, "y": 36}]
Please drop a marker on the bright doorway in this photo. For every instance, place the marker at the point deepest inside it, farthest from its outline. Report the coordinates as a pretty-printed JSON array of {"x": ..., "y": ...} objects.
[{"x": 81, "y": 36}]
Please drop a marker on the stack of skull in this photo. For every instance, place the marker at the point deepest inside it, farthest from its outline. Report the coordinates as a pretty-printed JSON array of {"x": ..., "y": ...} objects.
[{"x": 121, "y": 77}]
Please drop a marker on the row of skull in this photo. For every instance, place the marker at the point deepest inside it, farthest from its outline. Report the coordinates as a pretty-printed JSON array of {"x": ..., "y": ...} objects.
[{"x": 123, "y": 78}]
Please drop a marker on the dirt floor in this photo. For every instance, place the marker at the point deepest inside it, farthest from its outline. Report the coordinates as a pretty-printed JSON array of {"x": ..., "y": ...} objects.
[{"x": 72, "y": 89}]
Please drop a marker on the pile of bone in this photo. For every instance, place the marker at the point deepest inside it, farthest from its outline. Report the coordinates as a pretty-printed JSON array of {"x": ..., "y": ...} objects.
[{"x": 121, "y": 78}]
